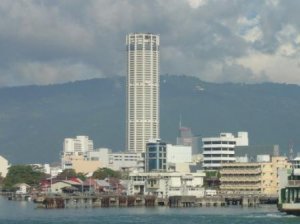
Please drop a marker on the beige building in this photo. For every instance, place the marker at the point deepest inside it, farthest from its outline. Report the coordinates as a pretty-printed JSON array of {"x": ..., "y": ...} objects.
[
  {"x": 241, "y": 177},
  {"x": 253, "y": 178},
  {"x": 270, "y": 171},
  {"x": 80, "y": 164}
]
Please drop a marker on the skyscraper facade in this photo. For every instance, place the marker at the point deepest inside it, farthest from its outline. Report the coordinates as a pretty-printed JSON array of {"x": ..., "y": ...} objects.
[{"x": 142, "y": 90}]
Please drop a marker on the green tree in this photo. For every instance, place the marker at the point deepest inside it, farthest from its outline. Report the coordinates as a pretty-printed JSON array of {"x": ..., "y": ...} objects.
[
  {"x": 81, "y": 176},
  {"x": 67, "y": 174},
  {"x": 22, "y": 174},
  {"x": 1, "y": 180},
  {"x": 102, "y": 173}
]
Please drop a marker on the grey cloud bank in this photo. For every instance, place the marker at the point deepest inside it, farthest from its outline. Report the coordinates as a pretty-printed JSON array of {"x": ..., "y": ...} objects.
[{"x": 45, "y": 42}]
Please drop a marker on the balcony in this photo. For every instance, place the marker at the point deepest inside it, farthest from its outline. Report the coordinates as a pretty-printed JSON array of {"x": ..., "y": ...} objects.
[
  {"x": 219, "y": 159},
  {"x": 240, "y": 179},
  {"x": 240, "y": 187},
  {"x": 138, "y": 182},
  {"x": 225, "y": 152},
  {"x": 239, "y": 170}
]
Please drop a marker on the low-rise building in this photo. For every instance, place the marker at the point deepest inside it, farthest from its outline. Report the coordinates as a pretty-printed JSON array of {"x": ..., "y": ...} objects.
[
  {"x": 164, "y": 185},
  {"x": 22, "y": 188},
  {"x": 117, "y": 160},
  {"x": 241, "y": 178},
  {"x": 270, "y": 174},
  {"x": 156, "y": 156},
  {"x": 253, "y": 178},
  {"x": 80, "y": 164},
  {"x": 162, "y": 157}
]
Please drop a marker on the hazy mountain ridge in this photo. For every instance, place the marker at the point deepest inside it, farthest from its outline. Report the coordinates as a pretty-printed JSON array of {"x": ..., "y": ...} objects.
[{"x": 34, "y": 120}]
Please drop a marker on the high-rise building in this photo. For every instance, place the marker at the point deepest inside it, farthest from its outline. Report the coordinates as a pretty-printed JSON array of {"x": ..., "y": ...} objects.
[{"x": 142, "y": 90}]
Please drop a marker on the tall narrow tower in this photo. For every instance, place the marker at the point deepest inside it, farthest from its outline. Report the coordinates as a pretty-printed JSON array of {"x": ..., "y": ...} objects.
[{"x": 142, "y": 90}]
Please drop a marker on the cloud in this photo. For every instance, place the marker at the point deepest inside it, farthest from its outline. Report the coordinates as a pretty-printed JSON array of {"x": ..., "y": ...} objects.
[
  {"x": 223, "y": 41},
  {"x": 282, "y": 68},
  {"x": 196, "y": 3}
]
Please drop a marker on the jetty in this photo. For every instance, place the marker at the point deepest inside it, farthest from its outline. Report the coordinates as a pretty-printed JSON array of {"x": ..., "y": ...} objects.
[
  {"x": 16, "y": 197},
  {"x": 86, "y": 200}
]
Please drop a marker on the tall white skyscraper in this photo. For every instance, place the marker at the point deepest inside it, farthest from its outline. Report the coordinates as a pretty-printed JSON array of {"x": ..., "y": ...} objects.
[{"x": 142, "y": 90}]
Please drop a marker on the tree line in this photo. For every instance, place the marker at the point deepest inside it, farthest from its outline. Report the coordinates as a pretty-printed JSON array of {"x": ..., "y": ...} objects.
[{"x": 33, "y": 175}]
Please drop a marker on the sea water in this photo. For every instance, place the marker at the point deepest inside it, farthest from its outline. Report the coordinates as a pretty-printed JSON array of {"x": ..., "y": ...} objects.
[{"x": 26, "y": 213}]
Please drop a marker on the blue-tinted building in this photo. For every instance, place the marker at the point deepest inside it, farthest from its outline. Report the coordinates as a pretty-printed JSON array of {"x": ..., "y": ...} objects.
[{"x": 156, "y": 156}]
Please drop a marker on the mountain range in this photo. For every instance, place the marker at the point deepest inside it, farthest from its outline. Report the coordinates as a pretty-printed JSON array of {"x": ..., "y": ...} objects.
[{"x": 34, "y": 120}]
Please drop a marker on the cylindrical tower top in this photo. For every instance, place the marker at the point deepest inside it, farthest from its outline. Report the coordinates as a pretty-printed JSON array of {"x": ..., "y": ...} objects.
[{"x": 142, "y": 37}]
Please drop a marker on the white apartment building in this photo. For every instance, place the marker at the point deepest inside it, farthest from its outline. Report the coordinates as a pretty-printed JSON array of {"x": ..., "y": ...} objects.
[
  {"x": 117, "y": 160},
  {"x": 142, "y": 90},
  {"x": 3, "y": 166},
  {"x": 179, "y": 154},
  {"x": 79, "y": 154},
  {"x": 77, "y": 146},
  {"x": 220, "y": 150},
  {"x": 164, "y": 185}
]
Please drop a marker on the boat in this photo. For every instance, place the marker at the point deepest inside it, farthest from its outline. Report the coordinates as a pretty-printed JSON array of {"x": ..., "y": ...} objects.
[
  {"x": 289, "y": 197},
  {"x": 289, "y": 200}
]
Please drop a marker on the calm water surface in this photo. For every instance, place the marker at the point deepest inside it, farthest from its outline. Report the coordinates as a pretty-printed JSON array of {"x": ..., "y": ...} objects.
[{"x": 25, "y": 212}]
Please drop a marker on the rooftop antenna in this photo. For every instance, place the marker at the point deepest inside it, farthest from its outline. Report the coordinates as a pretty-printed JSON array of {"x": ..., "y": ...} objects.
[
  {"x": 291, "y": 151},
  {"x": 180, "y": 118}
]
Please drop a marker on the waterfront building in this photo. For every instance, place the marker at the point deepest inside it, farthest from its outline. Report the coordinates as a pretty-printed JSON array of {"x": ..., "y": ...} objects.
[
  {"x": 241, "y": 178},
  {"x": 270, "y": 174},
  {"x": 3, "y": 166},
  {"x": 22, "y": 188},
  {"x": 254, "y": 178},
  {"x": 221, "y": 150},
  {"x": 142, "y": 90},
  {"x": 61, "y": 185},
  {"x": 164, "y": 185}
]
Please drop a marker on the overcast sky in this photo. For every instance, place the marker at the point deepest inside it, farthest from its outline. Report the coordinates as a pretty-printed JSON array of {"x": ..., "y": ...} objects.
[{"x": 55, "y": 41}]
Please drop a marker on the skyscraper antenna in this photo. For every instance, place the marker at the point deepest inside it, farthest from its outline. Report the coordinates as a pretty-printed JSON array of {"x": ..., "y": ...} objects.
[{"x": 180, "y": 121}]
